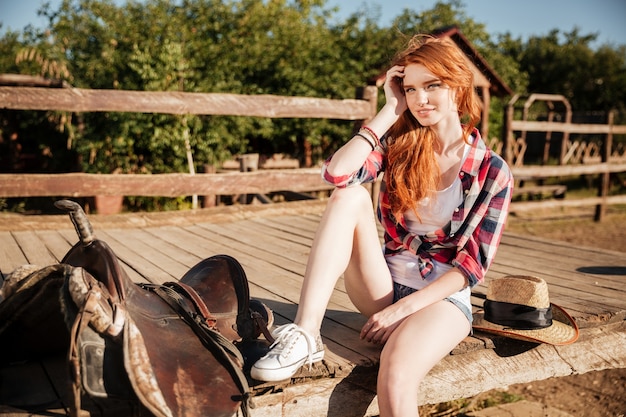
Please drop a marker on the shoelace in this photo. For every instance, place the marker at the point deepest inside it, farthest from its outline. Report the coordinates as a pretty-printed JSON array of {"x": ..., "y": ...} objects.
[{"x": 286, "y": 336}]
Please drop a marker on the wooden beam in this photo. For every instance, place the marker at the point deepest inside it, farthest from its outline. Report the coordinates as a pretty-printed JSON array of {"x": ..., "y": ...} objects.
[
  {"x": 165, "y": 185},
  {"x": 456, "y": 376},
  {"x": 170, "y": 102},
  {"x": 531, "y": 126},
  {"x": 545, "y": 171},
  {"x": 560, "y": 203}
]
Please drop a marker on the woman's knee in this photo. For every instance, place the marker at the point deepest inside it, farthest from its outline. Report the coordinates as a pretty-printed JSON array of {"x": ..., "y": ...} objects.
[
  {"x": 398, "y": 371},
  {"x": 354, "y": 197}
]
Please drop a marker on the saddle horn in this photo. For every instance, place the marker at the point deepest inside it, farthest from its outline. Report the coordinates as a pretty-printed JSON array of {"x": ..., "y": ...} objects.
[{"x": 79, "y": 220}]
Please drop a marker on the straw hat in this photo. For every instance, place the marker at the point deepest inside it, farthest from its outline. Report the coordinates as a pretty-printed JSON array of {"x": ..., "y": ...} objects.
[{"x": 519, "y": 307}]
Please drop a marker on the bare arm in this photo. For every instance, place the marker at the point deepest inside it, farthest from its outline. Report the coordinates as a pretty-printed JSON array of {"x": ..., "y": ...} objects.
[{"x": 350, "y": 157}]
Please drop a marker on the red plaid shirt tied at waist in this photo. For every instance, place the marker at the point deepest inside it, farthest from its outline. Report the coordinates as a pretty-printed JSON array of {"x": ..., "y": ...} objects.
[{"x": 470, "y": 240}]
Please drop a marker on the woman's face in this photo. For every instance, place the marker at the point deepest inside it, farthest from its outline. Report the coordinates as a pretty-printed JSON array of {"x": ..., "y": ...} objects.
[{"x": 429, "y": 100}]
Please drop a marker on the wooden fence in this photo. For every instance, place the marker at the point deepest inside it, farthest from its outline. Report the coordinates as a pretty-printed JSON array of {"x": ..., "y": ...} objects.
[
  {"x": 263, "y": 181},
  {"x": 576, "y": 158},
  {"x": 174, "y": 185}
]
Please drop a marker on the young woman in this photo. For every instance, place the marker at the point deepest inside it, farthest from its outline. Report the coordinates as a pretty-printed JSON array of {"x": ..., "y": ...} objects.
[{"x": 443, "y": 205}]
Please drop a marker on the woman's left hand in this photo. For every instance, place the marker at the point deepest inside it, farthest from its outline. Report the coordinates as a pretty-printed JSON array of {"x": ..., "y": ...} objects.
[
  {"x": 380, "y": 325},
  {"x": 394, "y": 93}
]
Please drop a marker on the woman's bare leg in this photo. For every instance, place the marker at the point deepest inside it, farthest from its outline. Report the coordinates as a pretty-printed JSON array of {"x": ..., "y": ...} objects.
[
  {"x": 417, "y": 345},
  {"x": 346, "y": 241}
]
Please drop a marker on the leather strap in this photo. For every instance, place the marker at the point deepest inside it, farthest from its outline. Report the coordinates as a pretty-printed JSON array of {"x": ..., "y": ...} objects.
[
  {"x": 262, "y": 325},
  {"x": 198, "y": 302},
  {"x": 80, "y": 323}
]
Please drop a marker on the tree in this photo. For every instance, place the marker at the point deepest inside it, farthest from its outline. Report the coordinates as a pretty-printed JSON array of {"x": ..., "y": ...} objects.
[
  {"x": 566, "y": 64},
  {"x": 286, "y": 47}
]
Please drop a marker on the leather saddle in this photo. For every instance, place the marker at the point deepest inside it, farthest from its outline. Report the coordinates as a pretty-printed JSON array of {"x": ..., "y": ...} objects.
[{"x": 165, "y": 350}]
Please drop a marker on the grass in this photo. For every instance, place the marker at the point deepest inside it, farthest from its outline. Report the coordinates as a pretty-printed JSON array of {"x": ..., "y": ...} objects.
[{"x": 460, "y": 408}]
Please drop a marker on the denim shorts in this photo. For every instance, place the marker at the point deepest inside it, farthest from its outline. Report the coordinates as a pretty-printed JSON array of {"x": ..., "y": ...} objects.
[{"x": 459, "y": 299}]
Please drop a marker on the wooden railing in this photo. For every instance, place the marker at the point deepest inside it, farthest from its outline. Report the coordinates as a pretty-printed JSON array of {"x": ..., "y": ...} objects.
[
  {"x": 82, "y": 100},
  {"x": 174, "y": 185},
  {"x": 607, "y": 160},
  {"x": 264, "y": 181}
]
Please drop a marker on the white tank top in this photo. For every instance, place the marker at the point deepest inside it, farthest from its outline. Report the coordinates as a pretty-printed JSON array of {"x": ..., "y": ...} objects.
[{"x": 435, "y": 213}]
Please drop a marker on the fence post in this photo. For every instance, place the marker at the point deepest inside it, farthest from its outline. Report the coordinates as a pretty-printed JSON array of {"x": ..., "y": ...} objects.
[
  {"x": 508, "y": 138},
  {"x": 605, "y": 177},
  {"x": 209, "y": 200}
]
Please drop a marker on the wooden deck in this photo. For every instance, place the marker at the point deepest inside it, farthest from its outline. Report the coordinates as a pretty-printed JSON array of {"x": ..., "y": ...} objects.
[{"x": 272, "y": 243}]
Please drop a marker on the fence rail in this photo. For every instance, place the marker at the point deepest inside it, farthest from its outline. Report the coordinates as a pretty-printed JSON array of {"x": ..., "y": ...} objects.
[
  {"x": 82, "y": 100},
  {"x": 161, "y": 185}
]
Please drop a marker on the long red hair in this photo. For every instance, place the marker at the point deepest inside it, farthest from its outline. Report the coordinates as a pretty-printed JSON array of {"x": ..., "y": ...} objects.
[{"x": 412, "y": 171}]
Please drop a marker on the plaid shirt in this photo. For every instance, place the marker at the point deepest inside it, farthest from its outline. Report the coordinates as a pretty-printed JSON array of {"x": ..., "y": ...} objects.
[{"x": 470, "y": 240}]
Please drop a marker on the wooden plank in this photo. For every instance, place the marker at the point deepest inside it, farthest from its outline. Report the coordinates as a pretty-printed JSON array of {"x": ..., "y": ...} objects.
[
  {"x": 11, "y": 255},
  {"x": 160, "y": 240},
  {"x": 456, "y": 376},
  {"x": 591, "y": 298},
  {"x": 56, "y": 243},
  {"x": 131, "y": 253},
  {"x": 70, "y": 235},
  {"x": 270, "y": 229},
  {"x": 557, "y": 266},
  {"x": 278, "y": 250},
  {"x": 545, "y": 171},
  {"x": 586, "y": 128},
  {"x": 171, "y": 102},
  {"x": 462, "y": 376},
  {"x": 165, "y": 185},
  {"x": 521, "y": 206},
  {"x": 168, "y": 267},
  {"x": 351, "y": 396},
  {"x": 246, "y": 247},
  {"x": 35, "y": 251},
  {"x": 534, "y": 191},
  {"x": 548, "y": 250},
  {"x": 284, "y": 282},
  {"x": 562, "y": 265}
]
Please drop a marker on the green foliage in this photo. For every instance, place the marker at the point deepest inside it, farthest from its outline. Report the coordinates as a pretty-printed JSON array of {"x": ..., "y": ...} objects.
[
  {"x": 283, "y": 47},
  {"x": 565, "y": 63}
]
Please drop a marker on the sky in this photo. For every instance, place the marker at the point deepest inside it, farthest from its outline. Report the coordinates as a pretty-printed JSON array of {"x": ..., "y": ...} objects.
[{"x": 520, "y": 18}]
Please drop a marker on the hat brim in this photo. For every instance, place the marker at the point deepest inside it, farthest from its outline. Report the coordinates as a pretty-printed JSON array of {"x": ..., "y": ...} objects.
[{"x": 563, "y": 330}]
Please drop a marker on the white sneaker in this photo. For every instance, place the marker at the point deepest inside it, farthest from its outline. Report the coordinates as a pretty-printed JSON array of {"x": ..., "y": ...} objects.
[{"x": 292, "y": 348}]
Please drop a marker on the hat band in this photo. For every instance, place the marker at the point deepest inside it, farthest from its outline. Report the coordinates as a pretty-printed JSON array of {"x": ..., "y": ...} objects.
[{"x": 517, "y": 316}]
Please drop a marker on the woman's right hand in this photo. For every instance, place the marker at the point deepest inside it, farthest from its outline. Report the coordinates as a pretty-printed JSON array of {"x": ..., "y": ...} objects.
[{"x": 394, "y": 91}]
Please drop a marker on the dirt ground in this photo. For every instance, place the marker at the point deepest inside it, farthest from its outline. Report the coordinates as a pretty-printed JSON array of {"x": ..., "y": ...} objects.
[
  {"x": 575, "y": 226},
  {"x": 594, "y": 394}
]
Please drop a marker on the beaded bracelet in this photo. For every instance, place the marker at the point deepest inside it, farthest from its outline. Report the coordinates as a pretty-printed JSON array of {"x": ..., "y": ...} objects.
[
  {"x": 370, "y": 142},
  {"x": 371, "y": 132}
]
